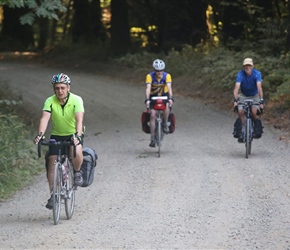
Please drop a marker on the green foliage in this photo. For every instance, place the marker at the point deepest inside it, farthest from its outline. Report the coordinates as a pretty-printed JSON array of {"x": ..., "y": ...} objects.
[
  {"x": 18, "y": 162},
  {"x": 212, "y": 71},
  {"x": 282, "y": 95},
  {"x": 42, "y": 8}
]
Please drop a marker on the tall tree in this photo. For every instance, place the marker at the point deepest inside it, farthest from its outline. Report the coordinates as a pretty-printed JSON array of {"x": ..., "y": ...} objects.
[
  {"x": 81, "y": 22},
  {"x": 120, "y": 32},
  {"x": 97, "y": 26},
  {"x": 173, "y": 28},
  {"x": 233, "y": 19},
  {"x": 15, "y": 36},
  {"x": 43, "y": 33},
  {"x": 197, "y": 10}
]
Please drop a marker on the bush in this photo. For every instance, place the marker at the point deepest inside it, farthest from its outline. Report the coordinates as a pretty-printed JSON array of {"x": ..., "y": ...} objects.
[{"x": 18, "y": 162}]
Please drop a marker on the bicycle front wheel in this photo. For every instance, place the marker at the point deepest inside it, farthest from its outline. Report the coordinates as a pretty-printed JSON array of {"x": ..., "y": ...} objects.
[
  {"x": 159, "y": 135},
  {"x": 248, "y": 139},
  {"x": 70, "y": 192},
  {"x": 57, "y": 175}
]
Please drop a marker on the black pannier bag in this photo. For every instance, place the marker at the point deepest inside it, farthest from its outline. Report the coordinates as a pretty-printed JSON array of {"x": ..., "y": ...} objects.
[
  {"x": 145, "y": 119},
  {"x": 258, "y": 129},
  {"x": 172, "y": 120},
  {"x": 237, "y": 128},
  {"x": 88, "y": 166}
]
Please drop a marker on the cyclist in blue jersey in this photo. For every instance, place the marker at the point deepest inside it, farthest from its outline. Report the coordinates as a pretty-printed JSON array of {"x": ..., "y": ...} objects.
[
  {"x": 158, "y": 83},
  {"x": 249, "y": 82}
]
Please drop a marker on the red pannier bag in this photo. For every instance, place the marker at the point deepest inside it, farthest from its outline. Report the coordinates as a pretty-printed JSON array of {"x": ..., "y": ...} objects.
[
  {"x": 172, "y": 120},
  {"x": 145, "y": 121}
]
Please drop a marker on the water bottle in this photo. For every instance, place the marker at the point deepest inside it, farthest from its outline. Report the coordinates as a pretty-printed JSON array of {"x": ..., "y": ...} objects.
[{"x": 64, "y": 171}]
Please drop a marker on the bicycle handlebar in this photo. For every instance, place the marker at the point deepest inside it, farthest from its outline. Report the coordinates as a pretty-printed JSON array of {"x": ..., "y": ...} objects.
[
  {"x": 163, "y": 98},
  {"x": 247, "y": 103},
  {"x": 58, "y": 143}
]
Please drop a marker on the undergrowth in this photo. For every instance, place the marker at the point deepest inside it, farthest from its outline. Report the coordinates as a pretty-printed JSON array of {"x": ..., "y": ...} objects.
[{"x": 18, "y": 158}]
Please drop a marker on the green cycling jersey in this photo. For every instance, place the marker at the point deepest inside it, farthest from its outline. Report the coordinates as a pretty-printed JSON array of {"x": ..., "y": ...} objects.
[{"x": 63, "y": 116}]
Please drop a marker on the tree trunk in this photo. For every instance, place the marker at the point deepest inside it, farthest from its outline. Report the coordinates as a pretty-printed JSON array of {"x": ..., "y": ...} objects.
[
  {"x": 233, "y": 23},
  {"x": 120, "y": 33},
  {"x": 15, "y": 36},
  {"x": 43, "y": 33},
  {"x": 185, "y": 26},
  {"x": 81, "y": 22},
  {"x": 98, "y": 29}
]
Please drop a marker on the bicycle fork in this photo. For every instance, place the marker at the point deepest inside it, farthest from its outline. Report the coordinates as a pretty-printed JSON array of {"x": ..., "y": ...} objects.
[
  {"x": 251, "y": 129},
  {"x": 159, "y": 124}
]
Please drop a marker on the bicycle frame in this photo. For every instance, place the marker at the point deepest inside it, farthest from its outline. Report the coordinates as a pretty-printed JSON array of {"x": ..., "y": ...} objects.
[
  {"x": 248, "y": 124},
  {"x": 159, "y": 106},
  {"x": 62, "y": 189}
]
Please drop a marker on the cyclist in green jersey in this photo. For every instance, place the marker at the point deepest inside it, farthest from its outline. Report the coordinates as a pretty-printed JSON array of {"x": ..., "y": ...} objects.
[{"x": 66, "y": 112}]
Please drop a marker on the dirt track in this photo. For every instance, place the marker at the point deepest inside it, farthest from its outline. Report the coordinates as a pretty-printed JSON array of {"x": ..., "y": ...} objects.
[{"x": 201, "y": 194}]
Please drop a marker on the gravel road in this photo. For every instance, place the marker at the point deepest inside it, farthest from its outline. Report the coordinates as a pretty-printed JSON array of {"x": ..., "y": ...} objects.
[{"x": 202, "y": 193}]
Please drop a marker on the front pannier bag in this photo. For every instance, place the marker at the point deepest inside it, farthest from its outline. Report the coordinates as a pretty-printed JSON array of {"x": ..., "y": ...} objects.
[
  {"x": 172, "y": 120},
  {"x": 88, "y": 166},
  {"x": 145, "y": 120},
  {"x": 258, "y": 129}
]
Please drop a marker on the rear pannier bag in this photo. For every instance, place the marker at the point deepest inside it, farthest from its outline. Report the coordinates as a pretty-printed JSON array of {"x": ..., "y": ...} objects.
[
  {"x": 258, "y": 129},
  {"x": 88, "y": 166},
  {"x": 145, "y": 121},
  {"x": 237, "y": 128},
  {"x": 172, "y": 120}
]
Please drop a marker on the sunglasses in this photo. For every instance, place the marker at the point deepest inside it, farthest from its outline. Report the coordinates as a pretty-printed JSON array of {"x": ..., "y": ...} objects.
[
  {"x": 59, "y": 88},
  {"x": 158, "y": 70}
]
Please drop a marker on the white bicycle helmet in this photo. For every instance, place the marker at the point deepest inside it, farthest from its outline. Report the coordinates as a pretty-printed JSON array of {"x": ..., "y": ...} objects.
[
  {"x": 60, "y": 78},
  {"x": 158, "y": 64}
]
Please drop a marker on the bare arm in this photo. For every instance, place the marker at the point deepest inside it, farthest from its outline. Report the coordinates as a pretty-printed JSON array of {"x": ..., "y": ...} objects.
[
  {"x": 236, "y": 90},
  {"x": 260, "y": 92},
  {"x": 79, "y": 122},
  {"x": 169, "y": 90},
  {"x": 43, "y": 122},
  {"x": 260, "y": 89},
  {"x": 148, "y": 90},
  {"x": 45, "y": 117}
]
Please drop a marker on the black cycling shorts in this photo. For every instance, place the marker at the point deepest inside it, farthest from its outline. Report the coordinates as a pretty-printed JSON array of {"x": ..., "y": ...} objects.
[{"x": 53, "y": 149}]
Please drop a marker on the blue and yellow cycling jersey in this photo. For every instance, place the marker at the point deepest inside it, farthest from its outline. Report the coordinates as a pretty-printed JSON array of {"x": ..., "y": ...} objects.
[
  {"x": 63, "y": 116},
  {"x": 158, "y": 85}
]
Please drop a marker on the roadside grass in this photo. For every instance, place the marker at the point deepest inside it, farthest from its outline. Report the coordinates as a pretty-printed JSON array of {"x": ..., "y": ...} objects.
[{"x": 18, "y": 157}]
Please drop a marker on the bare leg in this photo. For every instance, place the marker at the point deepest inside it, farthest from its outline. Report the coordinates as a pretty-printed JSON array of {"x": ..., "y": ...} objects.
[
  {"x": 52, "y": 160},
  {"x": 152, "y": 122},
  {"x": 241, "y": 115},
  {"x": 78, "y": 160},
  {"x": 254, "y": 113},
  {"x": 166, "y": 113}
]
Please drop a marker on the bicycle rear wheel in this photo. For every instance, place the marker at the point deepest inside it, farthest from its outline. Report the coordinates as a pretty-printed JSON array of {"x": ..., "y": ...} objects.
[
  {"x": 248, "y": 139},
  {"x": 70, "y": 192},
  {"x": 57, "y": 175}
]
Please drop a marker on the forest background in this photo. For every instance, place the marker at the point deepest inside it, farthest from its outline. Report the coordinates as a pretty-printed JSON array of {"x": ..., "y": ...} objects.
[{"x": 203, "y": 43}]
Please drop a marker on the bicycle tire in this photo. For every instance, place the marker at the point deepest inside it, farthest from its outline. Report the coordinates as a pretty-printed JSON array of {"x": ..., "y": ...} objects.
[
  {"x": 70, "y": 193},
  {"x": 248, "y": 143},
  {"x": 56, "y": 191},
  {"x": 251, "y": 136},
  {"x": 159, "y": 131}
]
